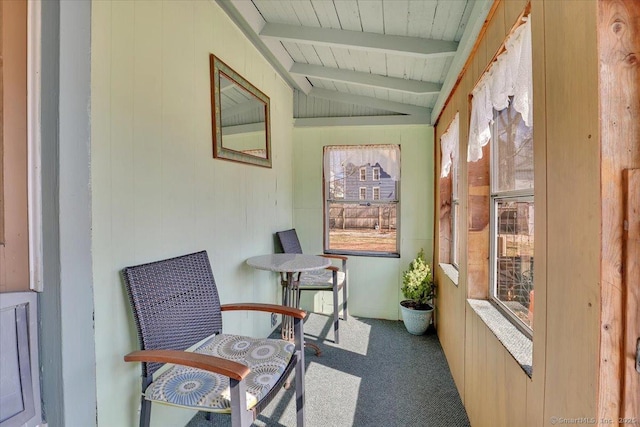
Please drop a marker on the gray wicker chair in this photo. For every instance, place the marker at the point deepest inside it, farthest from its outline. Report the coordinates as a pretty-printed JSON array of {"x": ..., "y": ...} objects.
[
  {"x": 331, "y": 279},
  {"x": 176, "y": 308}
]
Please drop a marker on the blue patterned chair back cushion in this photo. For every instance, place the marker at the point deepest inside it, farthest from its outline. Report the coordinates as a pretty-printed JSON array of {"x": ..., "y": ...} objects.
[
  {"x": 289, "y": 242},
  {"x": 176, "y": 303}
]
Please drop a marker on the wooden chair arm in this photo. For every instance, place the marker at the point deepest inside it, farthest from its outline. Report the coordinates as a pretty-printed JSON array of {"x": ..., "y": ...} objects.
[
  {"x": 269, "y": 308},
  {"x": 332, "y": 268},
  {"x": 225, "y": 367},
  {"x": 341, "y": 257}
]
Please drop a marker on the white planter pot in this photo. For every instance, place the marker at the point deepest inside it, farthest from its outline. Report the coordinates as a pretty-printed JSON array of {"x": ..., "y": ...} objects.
[{"x": 416, "y": 321}]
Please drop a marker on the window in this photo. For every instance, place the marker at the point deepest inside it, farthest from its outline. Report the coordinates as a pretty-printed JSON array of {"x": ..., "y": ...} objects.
[
  {"x": 360, "y": 218},
  {"x": 512, "y": 215},
  {"x": 455, "y": 204},
  {"x": 449, "y": 199},
  {"x": 376, "y": 174}
]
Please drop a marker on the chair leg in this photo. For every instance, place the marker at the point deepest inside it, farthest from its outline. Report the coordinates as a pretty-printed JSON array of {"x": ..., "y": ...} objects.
[
  {"x": 299, "y": 355},
  {"x": 240, "y": 416},
  {"x": 336, "y": 315},
  {"x": 145, "y": 412},
  {"x": 345, "y": 313}
]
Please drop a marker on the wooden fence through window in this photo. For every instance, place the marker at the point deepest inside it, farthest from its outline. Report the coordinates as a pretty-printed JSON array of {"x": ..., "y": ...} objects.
[{"x": 374, "y": 217}]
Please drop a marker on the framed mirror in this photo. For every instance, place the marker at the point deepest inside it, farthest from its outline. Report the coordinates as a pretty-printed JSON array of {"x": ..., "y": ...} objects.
[{"x": 240, "y": 117}]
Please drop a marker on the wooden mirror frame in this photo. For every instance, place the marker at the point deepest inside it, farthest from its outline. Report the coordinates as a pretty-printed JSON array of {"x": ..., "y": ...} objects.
[{"x": 219, "y": 68}]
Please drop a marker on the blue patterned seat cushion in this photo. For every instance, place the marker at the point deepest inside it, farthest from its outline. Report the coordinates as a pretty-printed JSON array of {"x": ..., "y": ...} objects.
[
  {"x": 319, "y": 278},
  {"x": 206, "y": 391}
]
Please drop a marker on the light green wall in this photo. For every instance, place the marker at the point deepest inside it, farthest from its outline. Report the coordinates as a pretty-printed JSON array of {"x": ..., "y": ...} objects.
[
  {"x": 374, "y": 287},
  {"x": 157, "y": 191}
]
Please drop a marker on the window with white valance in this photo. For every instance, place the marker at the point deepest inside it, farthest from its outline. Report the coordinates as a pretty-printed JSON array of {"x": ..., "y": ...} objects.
[
  {"x": 450, "y": 143},
  {"x": 361, "y": 199},
  {"x": 508, "y": 80},
  {"x": 449, "y": 146}
]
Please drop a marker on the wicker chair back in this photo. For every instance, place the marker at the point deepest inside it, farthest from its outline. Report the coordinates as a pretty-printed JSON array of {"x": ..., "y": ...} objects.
[{"x": 175, "y": 303}]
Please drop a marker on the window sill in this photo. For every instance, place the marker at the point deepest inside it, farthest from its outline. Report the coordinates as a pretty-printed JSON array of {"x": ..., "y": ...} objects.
[
  {"x": 451, "y": 272},
  {"x": 517, "y": 344}
]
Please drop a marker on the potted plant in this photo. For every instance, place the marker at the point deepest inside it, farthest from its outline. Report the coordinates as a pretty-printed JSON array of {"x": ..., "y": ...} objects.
[{"x": 419, "y": 289}]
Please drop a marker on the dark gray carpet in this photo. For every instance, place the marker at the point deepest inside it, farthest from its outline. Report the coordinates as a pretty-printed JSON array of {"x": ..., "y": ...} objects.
[{"x": 379, "y": 375}]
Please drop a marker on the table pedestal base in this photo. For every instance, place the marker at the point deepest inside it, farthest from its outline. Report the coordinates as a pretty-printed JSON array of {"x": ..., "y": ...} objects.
[{"x": 291, "y": 298}]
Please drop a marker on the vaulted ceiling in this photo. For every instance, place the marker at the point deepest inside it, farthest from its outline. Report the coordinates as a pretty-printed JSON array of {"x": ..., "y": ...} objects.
[{"x": 364, "y": 61}]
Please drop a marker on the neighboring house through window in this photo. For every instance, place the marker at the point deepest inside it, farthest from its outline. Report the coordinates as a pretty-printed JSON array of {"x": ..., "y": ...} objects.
[{"x": 361, "y": 216}]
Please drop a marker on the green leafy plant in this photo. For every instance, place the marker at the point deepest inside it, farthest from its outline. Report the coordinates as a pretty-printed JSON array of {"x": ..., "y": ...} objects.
[{"x": 417, "y": 282}]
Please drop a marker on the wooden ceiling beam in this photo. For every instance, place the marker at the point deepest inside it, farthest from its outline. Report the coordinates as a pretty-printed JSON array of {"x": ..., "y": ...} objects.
[
  {"x": 368, "y": 101},
  {"x": 365, "y": 79},
  {"x": 384, "y": 43},
  {"x": 398, "y": 119}
]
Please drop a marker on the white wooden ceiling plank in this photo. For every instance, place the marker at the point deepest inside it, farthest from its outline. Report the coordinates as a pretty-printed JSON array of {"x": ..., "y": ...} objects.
[
  {"x": 442, "y": 19},
  {"x": 267, "y": 10},
  {"x": 361, "y": 60},
  {"x": 364, "y": 79},
  {"x": 396, "y": 13},
  {"x": 294, "y": 51},
  {"x": 287, "y": 12},
  {"x": 453, "y": 22},
  {"x": 410, "y": 46},
  {"x": 305, "y": 13},
  {"x": 277, "y": 11},
  {"x": 343, "y": 58},
  {"x": 310, "y": 54},
  {"x": 421, "y": 16},
  {"x": 349, "y": 15},
  {"x": 433, "y": 72},
  {"x": 371, "y": 16},
  {"x": 326, "y": 56},
  {"x": 372, "y": 102},
  {"x": 395, "y": 65},
  {"x": 463, "y": 21},
  {"x": 376, "y": 63},
  {"x": 413, "y": 71},
  {"x": 326, "y": 13}
]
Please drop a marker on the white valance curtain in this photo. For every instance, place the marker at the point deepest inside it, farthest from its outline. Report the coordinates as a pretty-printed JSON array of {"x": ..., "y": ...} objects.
[
  {"x": 510, "y": 75},
  {"x": 449, "y": 146},
  {"x": 339, "y": 158}
]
